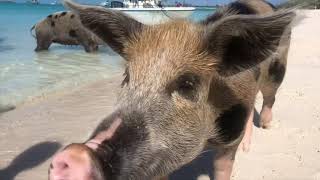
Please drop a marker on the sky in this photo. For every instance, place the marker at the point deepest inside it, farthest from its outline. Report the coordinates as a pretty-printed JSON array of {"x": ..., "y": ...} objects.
[{"x": 195, "y": 2}]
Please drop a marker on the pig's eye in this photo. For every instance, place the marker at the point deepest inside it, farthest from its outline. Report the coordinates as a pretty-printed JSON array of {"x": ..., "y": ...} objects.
[{"x": 186, "y": 85}]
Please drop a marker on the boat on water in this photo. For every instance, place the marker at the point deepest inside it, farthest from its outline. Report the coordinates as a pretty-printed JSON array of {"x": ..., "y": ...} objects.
[
  {"x": 149, "y": 11},
  {"x": 7, "y": 1},
  {"x": 55, "y": 2},
  {"x": 33, "y": 2}
]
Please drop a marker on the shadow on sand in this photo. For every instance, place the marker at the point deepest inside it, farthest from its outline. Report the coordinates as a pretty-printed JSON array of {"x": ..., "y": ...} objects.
[
  {"x": 256, "y": 118},
  {"x": 29, "y": 159},
  {"x": 200, "y": 166},
  {"x": 6, "y": 108}
]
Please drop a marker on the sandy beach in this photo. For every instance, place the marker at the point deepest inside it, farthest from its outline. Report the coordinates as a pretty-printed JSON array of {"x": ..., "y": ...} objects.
[{"x": 33, "y": 132}]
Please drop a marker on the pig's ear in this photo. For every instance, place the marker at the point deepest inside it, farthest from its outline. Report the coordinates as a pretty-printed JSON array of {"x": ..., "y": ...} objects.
[
  {"x": 112, "y": 26},
  {"x": 241, "y": 41}
]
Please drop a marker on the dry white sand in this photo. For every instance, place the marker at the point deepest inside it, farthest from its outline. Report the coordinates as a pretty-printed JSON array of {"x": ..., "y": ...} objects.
[{"x": 289, "y": 151}]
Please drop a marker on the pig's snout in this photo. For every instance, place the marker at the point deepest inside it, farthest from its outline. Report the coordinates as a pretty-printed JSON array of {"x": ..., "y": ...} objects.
[{"x": 73, "y": 163}]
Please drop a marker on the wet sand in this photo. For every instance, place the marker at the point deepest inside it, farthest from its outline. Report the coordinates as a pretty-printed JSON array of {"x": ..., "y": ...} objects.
[{"x": 33, "y": 132}]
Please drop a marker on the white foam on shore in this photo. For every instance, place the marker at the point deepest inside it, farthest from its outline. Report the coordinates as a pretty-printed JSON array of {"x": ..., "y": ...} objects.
[{"x": 51, "y": 72}]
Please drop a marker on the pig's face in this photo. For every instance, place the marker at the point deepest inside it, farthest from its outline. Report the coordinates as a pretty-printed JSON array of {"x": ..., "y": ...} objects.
[{"x": 166, "y": 101}]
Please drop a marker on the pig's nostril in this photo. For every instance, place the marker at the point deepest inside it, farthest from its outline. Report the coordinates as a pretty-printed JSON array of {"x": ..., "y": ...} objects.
[{"x": 61, "y": 165}]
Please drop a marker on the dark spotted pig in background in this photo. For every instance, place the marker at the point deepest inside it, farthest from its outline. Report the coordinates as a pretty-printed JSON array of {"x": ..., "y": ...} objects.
[
  {"x": 64, "y": 28},
  {"x": 269, "y": 74},
  {"x": 187, "y": 86}
]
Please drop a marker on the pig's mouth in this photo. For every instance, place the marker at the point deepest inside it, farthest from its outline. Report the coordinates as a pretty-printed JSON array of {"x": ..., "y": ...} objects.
[
  {"x": 103, "y": 151},
  {"x": 102, "y": 139},
  {"x": 103, "y": 148},
  {"x": 95, "y": 144}
]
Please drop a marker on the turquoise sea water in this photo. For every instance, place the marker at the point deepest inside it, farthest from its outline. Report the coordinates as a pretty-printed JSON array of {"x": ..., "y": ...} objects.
[{"x": 25, "y": 74}]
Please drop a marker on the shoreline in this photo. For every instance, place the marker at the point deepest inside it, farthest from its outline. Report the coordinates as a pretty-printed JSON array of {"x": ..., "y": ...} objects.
[
  {"x": 64, "y": 91},
  {"x": 48, "y": 95}
]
